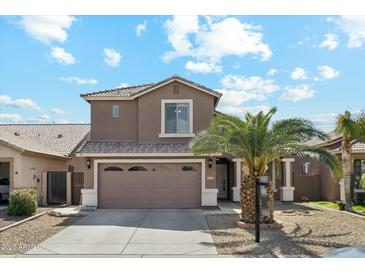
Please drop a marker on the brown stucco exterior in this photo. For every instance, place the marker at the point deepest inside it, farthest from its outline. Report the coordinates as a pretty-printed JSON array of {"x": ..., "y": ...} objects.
[
  {"x": 140, "y": 118},
  {"x": 329, "y": 188},
  {"x": 149, "y": 112},
  {"x": 104, "y": 127}
]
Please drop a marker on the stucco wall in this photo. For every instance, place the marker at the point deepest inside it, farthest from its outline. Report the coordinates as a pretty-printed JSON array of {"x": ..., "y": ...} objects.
[
  {"x": 79, "y": 165},
  {"x": 149, "y": 112},
  {"x": 329, "y": 188},
  {"x": 108, "y": 128}
]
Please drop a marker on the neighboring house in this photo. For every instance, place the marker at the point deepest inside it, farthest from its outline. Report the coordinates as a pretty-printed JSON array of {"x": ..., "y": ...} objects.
[
  {"x": 139, "y": 148},
  {"x": 312, "y": 179},
  {"x": 33, "y": 154}
]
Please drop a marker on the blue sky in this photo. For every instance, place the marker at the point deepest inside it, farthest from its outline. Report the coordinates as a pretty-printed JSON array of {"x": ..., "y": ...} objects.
[{"x": 308, "y": 66}]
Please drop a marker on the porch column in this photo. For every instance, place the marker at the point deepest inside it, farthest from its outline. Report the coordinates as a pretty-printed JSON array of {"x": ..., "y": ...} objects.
[
  {"x": 287, "y": 191},
  {"x": 44, "y": 188},
  {"x": 237, "y": 180},
  {"x": 68, "y": 188}
]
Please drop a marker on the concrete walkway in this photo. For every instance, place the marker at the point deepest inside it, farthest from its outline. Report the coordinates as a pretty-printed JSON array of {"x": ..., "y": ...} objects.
[{"x": 133, "y": 232}]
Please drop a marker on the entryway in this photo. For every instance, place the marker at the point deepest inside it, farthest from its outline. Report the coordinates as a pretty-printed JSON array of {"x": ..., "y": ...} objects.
[{"x": 223, "y": 178}]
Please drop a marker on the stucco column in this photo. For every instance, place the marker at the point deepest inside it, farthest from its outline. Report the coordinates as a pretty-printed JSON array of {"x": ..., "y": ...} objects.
[
  {"x": 68, "y": 188},
  {"x": 237, "y": 180},
  {"x": 287, "y": 191},
  {"x": 44, "y": 188}
]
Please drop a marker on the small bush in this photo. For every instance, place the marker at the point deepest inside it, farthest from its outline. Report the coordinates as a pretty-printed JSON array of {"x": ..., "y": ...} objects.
[
  {"x": 23, "y": 202},
  {"x": 341, "y": 205}
]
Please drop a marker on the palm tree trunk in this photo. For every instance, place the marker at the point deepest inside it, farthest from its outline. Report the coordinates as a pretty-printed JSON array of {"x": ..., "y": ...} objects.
[
  {"x": 248, "y": 198},
  {"x": 346, "y": 165}
]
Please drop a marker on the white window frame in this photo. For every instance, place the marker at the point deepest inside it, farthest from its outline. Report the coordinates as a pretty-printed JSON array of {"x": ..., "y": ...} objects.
[
  {"x": 115, "y": 107},
  {"x": 305, "y": 168},
  {"x": 163, "y": 134}
]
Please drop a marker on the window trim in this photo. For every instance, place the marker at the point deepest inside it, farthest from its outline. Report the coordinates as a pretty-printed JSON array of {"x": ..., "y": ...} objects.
[
  {"x": 118, "y": 110},
  {"x": 305, "y": 168},
  {"x": 163, "y": 133}
]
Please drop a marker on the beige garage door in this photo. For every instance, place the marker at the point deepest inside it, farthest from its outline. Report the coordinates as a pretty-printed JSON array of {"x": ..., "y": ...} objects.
[{"x": 149, "y": 186}]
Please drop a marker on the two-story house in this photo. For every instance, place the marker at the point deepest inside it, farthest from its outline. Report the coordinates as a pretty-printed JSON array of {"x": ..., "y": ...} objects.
[{"x": 139, "y": 153}]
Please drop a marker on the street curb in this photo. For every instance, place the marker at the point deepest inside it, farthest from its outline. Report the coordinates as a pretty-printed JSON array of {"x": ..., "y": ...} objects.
[
  {"x": 24, "y": 221},
  {"x": 335, "y": 210}
]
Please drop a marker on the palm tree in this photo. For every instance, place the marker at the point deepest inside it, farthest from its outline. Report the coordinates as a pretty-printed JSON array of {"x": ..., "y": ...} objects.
[
  {"x": 351, "y": 128},
  {"x": 261, "y": 143}
]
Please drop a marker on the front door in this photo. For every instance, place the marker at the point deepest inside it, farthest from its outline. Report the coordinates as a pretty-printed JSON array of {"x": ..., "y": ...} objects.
[{"x": 222, "y": 181}]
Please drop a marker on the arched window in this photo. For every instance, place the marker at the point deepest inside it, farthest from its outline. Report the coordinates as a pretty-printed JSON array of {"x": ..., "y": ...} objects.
[
  {"x": 137, "y": 168},
  {"x": 188, "y": 168},
  {"x": 113, "y": 168}
]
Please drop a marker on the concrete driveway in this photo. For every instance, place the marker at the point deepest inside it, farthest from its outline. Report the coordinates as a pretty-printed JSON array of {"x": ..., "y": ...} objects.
[{"x": 133, "y": 232}]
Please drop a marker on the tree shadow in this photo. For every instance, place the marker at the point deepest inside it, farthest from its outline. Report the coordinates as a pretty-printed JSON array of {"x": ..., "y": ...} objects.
[{"x": 274, "y": 243}]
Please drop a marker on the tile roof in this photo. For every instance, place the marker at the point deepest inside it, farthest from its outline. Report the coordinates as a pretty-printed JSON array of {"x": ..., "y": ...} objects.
[
  {"x": 53, "y": 139},
  {"x": 136, "y": 90},
  {"x": 119, "y": 92},
  {"x": 358, "y": 146},
  {"x": 124, "y": 147},
  {"x": 332, "y": 136}
]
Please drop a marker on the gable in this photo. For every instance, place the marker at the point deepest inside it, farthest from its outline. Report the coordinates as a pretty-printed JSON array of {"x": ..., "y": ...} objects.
[{"x": 133, "y": 92}]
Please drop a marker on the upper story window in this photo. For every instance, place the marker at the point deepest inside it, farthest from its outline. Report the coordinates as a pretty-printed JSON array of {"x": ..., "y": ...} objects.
[
  {"x": 177, "y": 118},
  {"x": 115, "y": 111},
  {"x": 305, "y": 168}
]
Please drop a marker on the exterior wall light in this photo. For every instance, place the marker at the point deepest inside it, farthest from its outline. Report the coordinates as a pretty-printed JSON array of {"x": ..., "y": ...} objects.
[
  {"x": 210, "y": 162},
  {"x": 88, "y": 163}
]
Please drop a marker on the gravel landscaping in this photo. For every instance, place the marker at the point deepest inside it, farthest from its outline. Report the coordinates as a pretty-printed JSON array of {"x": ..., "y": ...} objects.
[
  {"x": 21, "y": 238},
  {"x": 307, "y": 232},
  {"x": 6, "y": 219}
]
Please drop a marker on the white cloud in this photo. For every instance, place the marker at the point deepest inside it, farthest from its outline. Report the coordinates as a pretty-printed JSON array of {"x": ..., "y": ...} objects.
[
  {"x": 328, "y": 72},
  {"x": 15, "y": 118},
  {"x": 79, "y": 81},
  {"x": 58, "y": 111},
  {"x": 330, "y": 41},
  {"x": 61, "y": 56},
  {"x": 299, "y": 74},
  {"x": 123, "y": 85},
  {"x": 325, "y": 121},
  {"x": 112, "y": 57},
  {"x": 178, "y": 30},
  {"x": 20, "y": 103},
  {"x": 202, "y": 67},
  {"x": 241, "y": 111},
  {"x": 209, "y": 42},
  {"x": 272, "y": 72},
  {"x": 354, "y": 27},
  {"x": 47, "y": 28},
  {"x": 297, "y": 93},
  {"x": 141, "y": 28},
  {"x": 239, "y": 89}
]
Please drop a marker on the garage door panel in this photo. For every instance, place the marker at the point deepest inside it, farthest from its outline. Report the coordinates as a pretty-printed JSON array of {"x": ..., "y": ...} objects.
[{"x": 161, "y": 186}]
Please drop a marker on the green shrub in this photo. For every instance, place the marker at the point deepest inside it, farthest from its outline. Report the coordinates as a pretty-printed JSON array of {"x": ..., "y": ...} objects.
[
  {"x": 23, "y": 202},
  {"x": 341, "y": 205}
]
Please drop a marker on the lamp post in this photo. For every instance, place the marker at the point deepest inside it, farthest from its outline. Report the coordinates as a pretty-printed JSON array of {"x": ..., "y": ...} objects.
[{"x": 260, "y": 181}]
